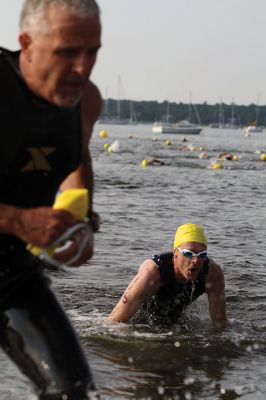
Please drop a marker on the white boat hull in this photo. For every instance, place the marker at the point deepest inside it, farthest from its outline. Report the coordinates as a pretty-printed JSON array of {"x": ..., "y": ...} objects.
[
  {"x": 253, "y": 129},
  {"x": 181, "y": 130}
]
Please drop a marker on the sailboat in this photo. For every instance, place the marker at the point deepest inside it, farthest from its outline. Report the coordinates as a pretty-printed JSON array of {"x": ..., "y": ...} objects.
[
  {"x": 116, "y": 119},
  {"x": 220, "y": 124},
  {"x": 253, "y": 126},
  {"x": 184, "y": 127}
]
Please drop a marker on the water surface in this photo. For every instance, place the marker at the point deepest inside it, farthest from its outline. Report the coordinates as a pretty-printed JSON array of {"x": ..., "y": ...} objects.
[{"x": 140, "y": 210}]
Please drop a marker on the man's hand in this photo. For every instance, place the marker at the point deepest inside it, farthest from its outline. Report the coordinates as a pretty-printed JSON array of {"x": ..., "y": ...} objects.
[
  {"x": 81, "y": 239},
  {"x": 41, "y": 226}
]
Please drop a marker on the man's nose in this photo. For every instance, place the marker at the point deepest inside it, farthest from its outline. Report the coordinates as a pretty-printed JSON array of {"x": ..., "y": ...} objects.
[
  {"x": 195, "y": 260},
  {"x": 83, "y": 65}
]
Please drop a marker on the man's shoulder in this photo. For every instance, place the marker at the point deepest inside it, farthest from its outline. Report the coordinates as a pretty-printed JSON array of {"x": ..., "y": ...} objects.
[
  {"x": 149, "y": 266},
  {"x": 214, "y": 267},
  {"x": 91, "y": 93},
  {"x": 162, "y": 257},
  {"x": 8, "y": 56},
  {"x": 91, "y": 101},
  {"x": 215, "y": 274},
  {"x": 149, "y": 272}
]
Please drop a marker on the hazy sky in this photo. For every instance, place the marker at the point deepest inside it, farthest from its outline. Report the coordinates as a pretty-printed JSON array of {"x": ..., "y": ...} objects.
[{"x": 165, "y": 49}]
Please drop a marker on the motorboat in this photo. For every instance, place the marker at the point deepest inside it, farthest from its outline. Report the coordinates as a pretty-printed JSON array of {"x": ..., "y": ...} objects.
[
  {"x": 183, "y": 127},
  {"x": 253, "y": 129}
]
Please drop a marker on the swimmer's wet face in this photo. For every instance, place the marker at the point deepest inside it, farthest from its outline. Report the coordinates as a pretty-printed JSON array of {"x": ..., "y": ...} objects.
[{"x": 189, "y": 259}]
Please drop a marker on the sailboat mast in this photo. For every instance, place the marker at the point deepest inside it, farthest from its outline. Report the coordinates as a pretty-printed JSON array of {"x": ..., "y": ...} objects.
[
  {"x": 167, "y": 112},
  {"x": 257, "y": 109},
  {"x": 106, "y": 102},
  {"x": 233, "y": 114},
  {"x": 118, "y": 97},
  {"x": 189, "y": 107},
  {"x": 221, "y": 114}
]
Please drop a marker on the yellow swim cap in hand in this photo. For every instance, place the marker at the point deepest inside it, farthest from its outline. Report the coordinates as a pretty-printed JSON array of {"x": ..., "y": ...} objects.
[
  {"x": 76, "y": 202},
  {"x": 189, "y": 233}
]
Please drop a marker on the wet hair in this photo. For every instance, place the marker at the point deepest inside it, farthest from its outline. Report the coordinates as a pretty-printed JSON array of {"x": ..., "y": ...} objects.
[{"x": 33, "y": 13}]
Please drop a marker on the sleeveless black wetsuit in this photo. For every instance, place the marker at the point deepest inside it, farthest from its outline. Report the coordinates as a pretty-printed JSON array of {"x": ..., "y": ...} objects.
[
  {"x": 40, "y": 146},
  {"x": 167, "y": 305}
]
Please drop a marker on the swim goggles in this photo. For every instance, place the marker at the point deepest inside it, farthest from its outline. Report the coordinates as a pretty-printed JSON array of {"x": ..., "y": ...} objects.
[{"x": 190, "y": 254}]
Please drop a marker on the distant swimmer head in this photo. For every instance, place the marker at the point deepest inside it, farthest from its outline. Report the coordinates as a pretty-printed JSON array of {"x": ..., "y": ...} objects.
[
  {"x": 144, "y": 163},
  {"x": 190, "y": 233},
  {"x": 203, "y": 155}
]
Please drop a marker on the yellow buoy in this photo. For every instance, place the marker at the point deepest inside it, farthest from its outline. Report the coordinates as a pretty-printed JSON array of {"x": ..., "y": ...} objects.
[
  {"x": 144, "y": 163},
  {"x": 168, "y": 142},
  {"x": 235, "y": 158},
  {"x": 106, "y": 146},
  {"x": 103, "y": 134},
  {"x": 216, "y": 166},
  {"x": 109, "y": 150},
  {"x": 263, "y": 157}
]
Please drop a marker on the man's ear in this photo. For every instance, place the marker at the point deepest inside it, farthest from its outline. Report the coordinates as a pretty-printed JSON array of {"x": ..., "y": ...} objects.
[{"x": 25, "y": 44}]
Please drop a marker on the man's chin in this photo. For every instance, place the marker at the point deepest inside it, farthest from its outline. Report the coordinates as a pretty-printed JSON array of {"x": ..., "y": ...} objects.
[
  {"x": 66, "y": 101},
  {"x": 191, "y": 278}
]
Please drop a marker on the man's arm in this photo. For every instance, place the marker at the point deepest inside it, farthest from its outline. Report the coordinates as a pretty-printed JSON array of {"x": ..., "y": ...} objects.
[
  {"x": 215, "y": 290},
  {"x": 91, "y": 104},
  {"x": 144, "y": 284},
  {"x": 40, "y": 226},
  {"x": 82, "y": 177}
]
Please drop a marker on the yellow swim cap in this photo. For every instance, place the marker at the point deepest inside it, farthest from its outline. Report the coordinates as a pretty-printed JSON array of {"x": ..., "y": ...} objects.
[
  {"x": 75, "y": 201},
  {"x": 189, "y": 233}
]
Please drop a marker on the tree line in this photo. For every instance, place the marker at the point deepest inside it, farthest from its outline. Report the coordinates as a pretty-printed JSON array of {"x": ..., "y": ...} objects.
[{"x": 152, "y": 111}]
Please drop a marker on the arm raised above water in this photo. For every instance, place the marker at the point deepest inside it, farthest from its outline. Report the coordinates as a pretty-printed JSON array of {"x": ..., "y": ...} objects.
[
  {"x": 144, "y": 284},
  {"x": 215, "y": 290}
]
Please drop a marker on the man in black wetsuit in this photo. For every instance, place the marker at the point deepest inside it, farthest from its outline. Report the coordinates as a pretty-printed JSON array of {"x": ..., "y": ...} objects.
[
  {"x": 167, "y": 283},
  {"x": 48, "y": 109}
]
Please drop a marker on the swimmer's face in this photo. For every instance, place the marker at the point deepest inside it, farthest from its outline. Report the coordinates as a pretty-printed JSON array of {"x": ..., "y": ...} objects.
[
  {"x": 189, "y": 268},
  {"x": 59, "y": 62}
]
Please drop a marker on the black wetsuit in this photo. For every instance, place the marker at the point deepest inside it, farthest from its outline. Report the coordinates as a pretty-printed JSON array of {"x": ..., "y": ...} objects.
[
  {"x": 167, "y": 305},
  {"x": 40, "y": 146}
]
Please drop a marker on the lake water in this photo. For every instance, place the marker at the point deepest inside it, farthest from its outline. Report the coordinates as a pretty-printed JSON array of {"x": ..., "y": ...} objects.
[{"x": 140, "y": 210}]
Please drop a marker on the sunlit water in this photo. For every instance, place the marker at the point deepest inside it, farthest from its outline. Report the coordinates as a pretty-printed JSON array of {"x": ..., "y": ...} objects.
[{"x": 140, "y": 210}]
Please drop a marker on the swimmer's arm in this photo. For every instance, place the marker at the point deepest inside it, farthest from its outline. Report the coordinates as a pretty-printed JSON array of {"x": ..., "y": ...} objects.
[
  {"x": 82, "y": 177},
  {"x": 215, "y": 289},
  {"x": 145, "y": 283}
]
